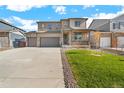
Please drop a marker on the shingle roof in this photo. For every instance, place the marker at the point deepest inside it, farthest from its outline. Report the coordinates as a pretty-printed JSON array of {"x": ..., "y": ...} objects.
[
  {"x": 97, "y": 23},
  {"x": 121, "y": 16},
  {"x": 7, "y": 23}
]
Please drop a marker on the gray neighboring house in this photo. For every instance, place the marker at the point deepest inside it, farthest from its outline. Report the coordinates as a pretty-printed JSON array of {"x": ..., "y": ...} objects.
[
  {"x": 10, "y": 35},
  {"x": 100, "y": 25},
  {"x": 110, "y": 32},
  {"x": 117, "y": 24}
]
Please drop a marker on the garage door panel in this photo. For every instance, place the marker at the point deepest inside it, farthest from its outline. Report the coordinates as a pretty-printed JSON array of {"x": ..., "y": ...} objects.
[
  {"x": 32, "y": 41},
  {"x": 105, "y": 42},
  {"x": 120, "y": 42},
  {"x": 49, "y": 42}
]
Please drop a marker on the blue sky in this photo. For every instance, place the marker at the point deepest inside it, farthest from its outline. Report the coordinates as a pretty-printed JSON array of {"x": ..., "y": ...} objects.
[{"x": 25, "y": 16}]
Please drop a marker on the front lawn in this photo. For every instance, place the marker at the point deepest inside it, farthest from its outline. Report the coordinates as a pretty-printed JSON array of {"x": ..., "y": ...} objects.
[{"x": 96, "y": 69}]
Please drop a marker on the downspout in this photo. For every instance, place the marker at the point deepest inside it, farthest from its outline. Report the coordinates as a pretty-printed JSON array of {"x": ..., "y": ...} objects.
[
  {"x": 10, "y": 39},
  {"x": 89, "y": 39},
  {"x": 62, "y": 37}
]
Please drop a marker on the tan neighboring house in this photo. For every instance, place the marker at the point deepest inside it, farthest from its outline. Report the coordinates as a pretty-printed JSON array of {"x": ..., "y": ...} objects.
[{"x": 66, "y": 32}]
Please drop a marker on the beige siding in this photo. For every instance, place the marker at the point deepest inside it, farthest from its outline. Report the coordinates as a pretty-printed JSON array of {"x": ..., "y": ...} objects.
[
  {"x": 48, "y": 34},
  {"x": 4, "y": 42}
]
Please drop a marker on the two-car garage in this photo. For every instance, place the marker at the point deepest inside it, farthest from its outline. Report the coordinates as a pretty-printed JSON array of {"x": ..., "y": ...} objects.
[
  {"x": 43, "y": 39},
  {"x": 115, "y": 40},
  {"x": 49, "y": 41}
]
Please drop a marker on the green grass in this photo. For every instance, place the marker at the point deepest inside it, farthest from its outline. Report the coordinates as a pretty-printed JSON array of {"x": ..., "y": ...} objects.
[{"x": 93, "y": 69}]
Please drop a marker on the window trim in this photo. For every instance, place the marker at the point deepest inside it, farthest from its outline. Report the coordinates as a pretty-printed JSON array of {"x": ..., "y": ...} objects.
[
  {"x": 78, "y": 35},
  {"x": 77, "y": 23},
  {"x": 116, "y": 25}
]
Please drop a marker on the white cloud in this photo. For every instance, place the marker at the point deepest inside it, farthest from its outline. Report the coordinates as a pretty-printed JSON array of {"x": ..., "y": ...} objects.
[
  {"x": 22, "y": 8},
  {"x": 28, "y": 25},
  {"x": 105, "y": 16},
  {"x": 49, "y": 17},
  {"x": 74, "y": 10},
  {"x": 88, "y": 6},
  {"x": 60, "y": 9},
  {"x": 97, "y": 9},
  {"x": 108, "y": 15},
  {"x": 63, "y": 2}
]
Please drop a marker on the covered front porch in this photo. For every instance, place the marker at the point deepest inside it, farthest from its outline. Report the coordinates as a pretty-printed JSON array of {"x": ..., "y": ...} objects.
[{"x": 76, "y": 38}]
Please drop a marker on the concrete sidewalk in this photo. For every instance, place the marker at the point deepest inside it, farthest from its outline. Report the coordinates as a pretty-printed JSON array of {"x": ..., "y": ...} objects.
[
  {"x": 31, "y": 67},
  {"x": 120, "y": 49}
]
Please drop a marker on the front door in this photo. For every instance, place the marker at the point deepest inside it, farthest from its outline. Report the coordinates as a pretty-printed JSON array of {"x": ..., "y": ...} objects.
[{"x": 66, "y": 39}]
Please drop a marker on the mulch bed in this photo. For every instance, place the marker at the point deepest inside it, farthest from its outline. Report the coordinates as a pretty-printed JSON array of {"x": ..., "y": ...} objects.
[{"x": 70, "y": 82}]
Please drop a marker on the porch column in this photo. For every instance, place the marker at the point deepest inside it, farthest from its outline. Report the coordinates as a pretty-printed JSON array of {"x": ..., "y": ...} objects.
[
  {"x": 38, "y": 40},
  {"x": 62, "y": 39}
]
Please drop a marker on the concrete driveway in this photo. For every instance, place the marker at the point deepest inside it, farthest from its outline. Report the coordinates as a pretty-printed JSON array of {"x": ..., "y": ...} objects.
[{"x": 31, "y": 67}]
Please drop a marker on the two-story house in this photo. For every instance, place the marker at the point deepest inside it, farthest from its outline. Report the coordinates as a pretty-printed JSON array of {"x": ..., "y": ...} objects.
[
  {"x": 11, "y": 36},
  {"x": 75, "y": 33},
  {"x": 66, "y": 32},
  {"x": 110, "y": 32}
]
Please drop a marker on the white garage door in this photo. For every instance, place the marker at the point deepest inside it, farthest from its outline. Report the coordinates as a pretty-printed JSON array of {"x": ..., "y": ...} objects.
[
  {"x": 120, "y": 42},
  {"x": 105, "y": 42},
  {"x": 49, "y": 42}
]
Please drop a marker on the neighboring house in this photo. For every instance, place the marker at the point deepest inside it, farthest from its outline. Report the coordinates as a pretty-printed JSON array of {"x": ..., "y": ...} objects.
[
  {"x": 66, "y": 32},
  {"x": 109, "y": 32},
  {"x": 100, "y": 25},
  {"x": 117, "y": 28},
  {"x": 117, "y": 24},
  {"x": 11, "y": 36}
]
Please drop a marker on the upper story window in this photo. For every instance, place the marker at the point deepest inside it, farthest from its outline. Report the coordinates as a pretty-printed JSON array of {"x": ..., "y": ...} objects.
[
  {"x": 122, "y": 24},
  {"x": 53, "y": 26},
  {"x": 58, "y": 26},
  {"x": 49, "y": 26},
  {"x": 116, "y": 25},
  {"x": 77, "y": 23}
]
